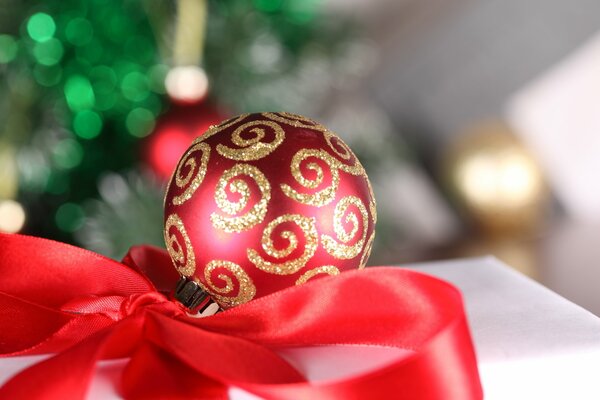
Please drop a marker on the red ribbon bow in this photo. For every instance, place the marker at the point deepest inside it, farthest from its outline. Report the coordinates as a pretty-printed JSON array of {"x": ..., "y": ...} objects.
[{"x": 55, "y": 298}]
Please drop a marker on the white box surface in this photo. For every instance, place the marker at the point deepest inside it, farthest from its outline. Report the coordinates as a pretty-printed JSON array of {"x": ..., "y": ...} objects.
[{"x": 530, "y": 342}]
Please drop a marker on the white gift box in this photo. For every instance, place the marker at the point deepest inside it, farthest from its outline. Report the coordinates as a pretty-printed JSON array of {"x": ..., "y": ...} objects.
[{"x": 530, "y": 342}]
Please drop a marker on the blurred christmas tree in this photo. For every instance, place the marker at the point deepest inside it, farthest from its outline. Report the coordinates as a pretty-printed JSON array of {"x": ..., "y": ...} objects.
[
  {"x": 81, "y": 84},
  {"x": 83, "y": 94}
]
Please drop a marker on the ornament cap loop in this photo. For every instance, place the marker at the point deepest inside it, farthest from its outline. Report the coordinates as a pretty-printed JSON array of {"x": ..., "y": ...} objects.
[{"x": 189, "y": 293}]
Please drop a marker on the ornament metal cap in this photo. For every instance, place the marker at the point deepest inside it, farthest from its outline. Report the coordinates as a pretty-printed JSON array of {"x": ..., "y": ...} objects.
[{"x": 189, "y": 293}]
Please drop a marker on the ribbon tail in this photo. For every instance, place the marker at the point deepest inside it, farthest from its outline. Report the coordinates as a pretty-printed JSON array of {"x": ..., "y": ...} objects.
[
  {"x": 155, "y": 373},
  {"x": 67, "y": 375},
  {"x": 226, "y": 359},
  {"x": 26, "y": 325}
]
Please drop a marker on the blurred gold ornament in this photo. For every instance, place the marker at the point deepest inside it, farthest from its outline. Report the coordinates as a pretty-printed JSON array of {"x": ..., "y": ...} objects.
[
  {"x": 12, "y": 216},
  {"x": 496, "y": 180}
]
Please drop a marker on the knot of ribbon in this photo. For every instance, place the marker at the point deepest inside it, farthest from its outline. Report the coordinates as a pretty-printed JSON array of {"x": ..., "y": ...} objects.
[
  {"x": 82, "y": 308},
  {"x": 118, "y": 307}
]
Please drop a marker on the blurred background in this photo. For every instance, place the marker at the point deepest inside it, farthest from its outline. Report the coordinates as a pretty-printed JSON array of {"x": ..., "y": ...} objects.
[{"x": 477, "y": 121}]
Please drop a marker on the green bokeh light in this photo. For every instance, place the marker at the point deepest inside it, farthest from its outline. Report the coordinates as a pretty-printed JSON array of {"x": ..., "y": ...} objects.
[
  {"x": 139, "y": 49},
  {"x": 49, "y": 52},
  {"x": 87, "y": 124},
  {"x": 91, "y": 52},
  {"x": 69, "y": 217},
  {"x": 140, "y": 122},
  {"x": 79, "y": 93},
  {"x": 122, "y": 68},
  {"x": 157, "y": 75},
  {"x": 104, "y": 82},
  {"x": 301, "y": 12},
  {"x": 41, "y": 27},
  {"x": 135, "y": 86},
  {"x": 104, "y": 79},
  {"x": 8, "y": 49},
  {"x": 106, "y": 102},
  {"x": 117, "y": 27},
  {"x": 79, "y": 31},
  {"x": 47, "y": 75},
  {"x": 67, "y": 154},
  {"x": 268, "y": 5},
  {"x": 153, "y": 103},
  {"x": 57, "y": 183}
]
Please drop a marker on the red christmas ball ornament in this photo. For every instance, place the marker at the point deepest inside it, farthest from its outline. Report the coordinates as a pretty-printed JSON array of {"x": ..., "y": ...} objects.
[
  {"x": 266, "y": 201},
  {"x": 173, "y": 133}
]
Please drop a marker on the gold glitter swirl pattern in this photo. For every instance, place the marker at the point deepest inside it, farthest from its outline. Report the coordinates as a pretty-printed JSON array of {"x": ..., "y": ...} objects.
[
  {"x": 195, "y": 173},
  {"x": 295, "y": 120},
  {"x": 372, "y": 202},
  {"x": 311, "y": 241},
  {"x": 185, "y": 262},
  {"x": 340, "y": 148},
  {"x": 357, "y": 169},
  {"x": 368, "y": 247},
  {"x": 322, "y": 197},
  {"x": 256, "y": 214},
  {"x": 325, "y": 269},
  {"x": 252, "y": 149},
  {"x": 246, "y": 289},
  {"x": 213, "y": 129},
  {"x": 344, "y": 250},
  {"x": 345, "y": 154}
]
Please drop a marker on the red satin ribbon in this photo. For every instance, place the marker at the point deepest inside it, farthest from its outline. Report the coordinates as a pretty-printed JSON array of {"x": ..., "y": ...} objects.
[{"x": 56, "y": 298}]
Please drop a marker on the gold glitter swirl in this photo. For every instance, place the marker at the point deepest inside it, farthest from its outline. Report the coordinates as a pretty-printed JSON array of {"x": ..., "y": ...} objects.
[
  {"x": 295, "y": 120},
  {"x": 195, "y": 173},
  {"x": 325, "y": 269},
  {"x": 185, "y": 263},
  {"x": 256, "y": 214},
  {"x": 340, "y": 148},
  {"x": 322, "y": 197},
  {"x": 345, "y": 154},
  {"x": 343, "y": 250},
  {"x": 253, "y": 148},
  {"x": 357, "y": 169},
  {"x": 213, "y": 129},
  {"x": 368, "y": 247},
  {"x": 246, "y": 289},
  {"x": 311, "y": 240},
  {"x": 372, "y": 202}
]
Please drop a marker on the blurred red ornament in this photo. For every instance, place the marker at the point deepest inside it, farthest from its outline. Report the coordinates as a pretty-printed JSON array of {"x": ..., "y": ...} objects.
[
  {"x": 173, "y": 133},
  {"x": 266, "y": 201}
]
